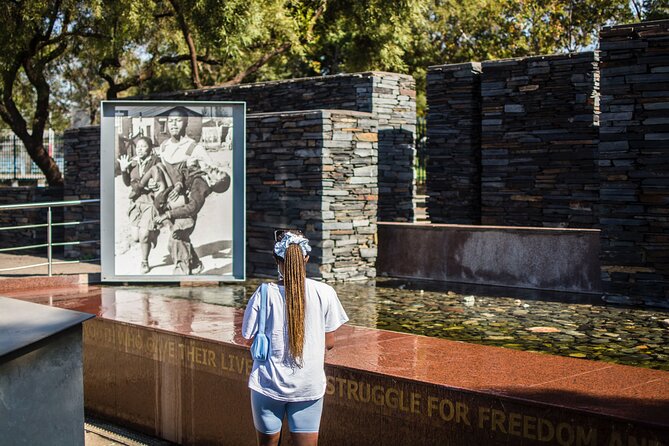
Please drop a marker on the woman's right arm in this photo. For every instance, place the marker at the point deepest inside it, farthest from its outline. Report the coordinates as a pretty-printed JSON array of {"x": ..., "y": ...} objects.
[{"x": 329, "y": 340}]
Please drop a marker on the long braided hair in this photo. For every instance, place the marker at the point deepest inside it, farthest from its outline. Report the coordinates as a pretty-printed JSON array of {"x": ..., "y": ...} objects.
[{"x": 294, "y": 277}]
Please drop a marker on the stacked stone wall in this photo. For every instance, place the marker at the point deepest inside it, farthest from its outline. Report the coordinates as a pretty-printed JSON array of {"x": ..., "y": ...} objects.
[
  {"x": 389, "y": 97},
  {"x": 26, "y": 217},
  {"x": 454, "y": 142},
  {"x": 317, "y": 171},
  {"x": 82, "y": 182},
  {"x": 314, "y": 170},
  {"x": 634, "y": 160},
  {"x": 539, "y": 141},
  {"x": 550, "y": 157}
]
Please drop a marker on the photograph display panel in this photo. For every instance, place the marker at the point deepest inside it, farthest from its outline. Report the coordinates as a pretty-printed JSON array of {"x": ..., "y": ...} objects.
[{"x": 172, "y": 180}]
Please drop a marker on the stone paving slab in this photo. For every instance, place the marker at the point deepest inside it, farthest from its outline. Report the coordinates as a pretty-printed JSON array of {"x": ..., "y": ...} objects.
[
  {"x": 100, "y": 433},
  {"x": 17, "y": 260}
]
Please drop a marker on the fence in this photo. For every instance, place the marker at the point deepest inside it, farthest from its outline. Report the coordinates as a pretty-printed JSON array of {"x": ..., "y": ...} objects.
[
  {"x": 420, "y": 161},
  {"x": 16, "y": 164},
  {"x": 48, "y": 226}
]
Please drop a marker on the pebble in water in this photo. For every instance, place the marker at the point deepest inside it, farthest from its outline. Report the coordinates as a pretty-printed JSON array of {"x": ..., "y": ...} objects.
[{"x": 544, "y": 330}]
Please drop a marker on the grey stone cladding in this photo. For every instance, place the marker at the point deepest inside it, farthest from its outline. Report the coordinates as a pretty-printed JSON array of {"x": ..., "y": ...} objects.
[
  {"x": 317, "y": 171},
  {"x": 634, "y": 160},
  {"x": 576, "y": 140},
  {"x": 539, "y": 139},
  {"x": 82, "y": 182},
  {"x": 390, "y": 97},
  {"x": 454, "y": 143},
  {"x": 26, "y": 217}
]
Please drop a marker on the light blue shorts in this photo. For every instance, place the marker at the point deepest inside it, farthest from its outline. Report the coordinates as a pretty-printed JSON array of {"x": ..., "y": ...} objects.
[{"x": 268, "y": 413}]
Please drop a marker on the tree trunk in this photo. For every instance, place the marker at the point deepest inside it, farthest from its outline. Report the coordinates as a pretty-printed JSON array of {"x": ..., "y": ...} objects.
[
  {"x": 34, "y": 145},
  {"x": 37, "y": 152},
  {"x": 188, "y": 37}
]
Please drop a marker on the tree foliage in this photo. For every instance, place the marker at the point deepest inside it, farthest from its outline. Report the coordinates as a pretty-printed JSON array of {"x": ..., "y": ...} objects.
[
  {"x": 40, "y": 33},
  {"x": 650, "y": 9},
  {"x": 70, "y": 54}
]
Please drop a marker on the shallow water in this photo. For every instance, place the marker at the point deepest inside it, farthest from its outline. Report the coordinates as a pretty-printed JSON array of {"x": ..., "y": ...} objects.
[{"x": 566, "y": 324}]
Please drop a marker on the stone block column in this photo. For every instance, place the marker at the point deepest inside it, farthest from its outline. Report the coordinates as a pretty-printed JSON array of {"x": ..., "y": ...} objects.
[
  {"x": 82, "y": 182},
  {"x": 539, "y": 141},
  {"x": 316, "y": 171},
  {"x": 634, "y": 160},
  {"x": 394, "y": 105},
  {"x": 454, "y": 143}
]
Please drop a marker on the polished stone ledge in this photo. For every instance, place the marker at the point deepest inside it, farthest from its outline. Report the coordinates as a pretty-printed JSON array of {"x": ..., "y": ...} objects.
[{"x": 165, "y": 366}]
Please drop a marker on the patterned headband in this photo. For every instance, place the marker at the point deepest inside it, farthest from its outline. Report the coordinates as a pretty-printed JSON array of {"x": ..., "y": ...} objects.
[{"x": 288, "y": 239}]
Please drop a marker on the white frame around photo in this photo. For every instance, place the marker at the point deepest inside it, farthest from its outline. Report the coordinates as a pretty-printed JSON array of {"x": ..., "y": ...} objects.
[{"x": 212, "y": 134}]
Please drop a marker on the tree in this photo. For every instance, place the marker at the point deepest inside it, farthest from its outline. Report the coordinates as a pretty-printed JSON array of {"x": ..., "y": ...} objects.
[
  {"x": 39, "y": 34},
  {"x": 68, "y": 54},
  {"x": 362, "y": 35},
  {"x": 650, "y": 9},
  {"x": 481, "y": 30},
  {"x": 226, "y": 43},
  {"x": 487, "y": 29},
  {"x": 177, "y": 44}
]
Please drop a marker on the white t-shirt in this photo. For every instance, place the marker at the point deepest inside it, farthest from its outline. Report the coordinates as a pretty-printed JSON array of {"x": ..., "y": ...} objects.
[{"x": 279, "y": 377}]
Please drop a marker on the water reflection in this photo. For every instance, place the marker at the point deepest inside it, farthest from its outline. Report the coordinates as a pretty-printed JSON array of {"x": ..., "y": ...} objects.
[
  {"x": 564, "y": 324},
  {"x": 175, "y": 309}
]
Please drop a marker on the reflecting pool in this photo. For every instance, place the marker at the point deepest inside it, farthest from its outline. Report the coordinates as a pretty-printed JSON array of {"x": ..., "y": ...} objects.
[{"x": 566, "y": 324}]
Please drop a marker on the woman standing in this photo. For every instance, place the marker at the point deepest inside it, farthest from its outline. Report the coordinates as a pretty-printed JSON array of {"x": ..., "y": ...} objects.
[{"x": 301, "y": 318}]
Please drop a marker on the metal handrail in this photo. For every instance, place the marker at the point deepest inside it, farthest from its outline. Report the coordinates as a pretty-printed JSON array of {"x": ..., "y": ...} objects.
[
  {"x": 48, "y": 204},
  {"x": 49, "y": 225},
  {"x": 44, "y": 225}
]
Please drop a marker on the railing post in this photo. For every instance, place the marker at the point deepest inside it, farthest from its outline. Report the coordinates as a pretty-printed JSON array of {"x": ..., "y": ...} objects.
[
  {"x": 14, "y": 148},
  {"x": 48, "y": 238},
  {"x": 51, "y": 139}
]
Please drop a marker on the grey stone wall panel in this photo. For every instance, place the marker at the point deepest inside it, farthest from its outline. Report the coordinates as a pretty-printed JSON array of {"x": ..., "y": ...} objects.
[
  {"x": 389, "y": 97},
  {"x": 539, "y": 141},
  {"x": 633, "y": 165},
  {"x": 454, "y": 132}
]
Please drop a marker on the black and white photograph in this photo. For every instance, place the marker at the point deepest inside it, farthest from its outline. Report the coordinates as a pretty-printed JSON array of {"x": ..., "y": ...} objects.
[{"x": 173, "y": 200}]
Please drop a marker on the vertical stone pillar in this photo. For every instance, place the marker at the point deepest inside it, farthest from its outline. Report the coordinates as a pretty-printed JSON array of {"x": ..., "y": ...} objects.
[
  {"x": 394, "y": 105},
  {"x": 317, "y": 171},
  {"x": 454, "y": 143},
  {"x": 539, "y": 141},
  {"x": 81, "y": 148},
  {"x": 634, "y": 160},
  {"x": 390, "y": 97}
]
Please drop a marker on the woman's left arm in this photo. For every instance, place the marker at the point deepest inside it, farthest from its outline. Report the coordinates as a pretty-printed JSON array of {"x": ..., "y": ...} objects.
[{"x": 250, "y": 321}]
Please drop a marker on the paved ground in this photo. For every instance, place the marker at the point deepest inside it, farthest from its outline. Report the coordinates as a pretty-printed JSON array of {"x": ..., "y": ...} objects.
[
  {"x": 93, "y": 439},
  {"x": 99, "y": 433},
  {"x": 15, "y": 260}
]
